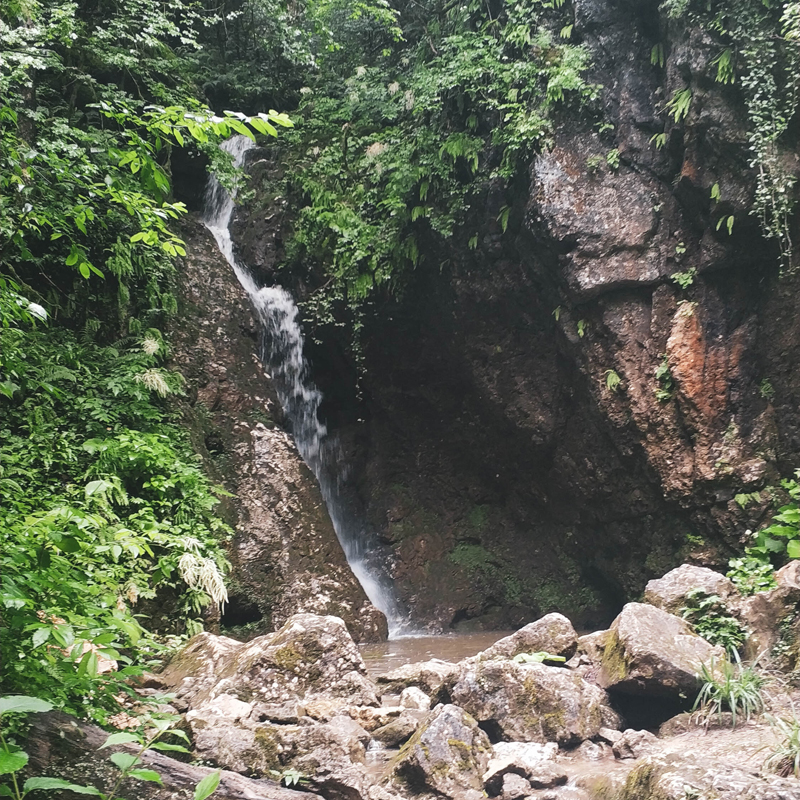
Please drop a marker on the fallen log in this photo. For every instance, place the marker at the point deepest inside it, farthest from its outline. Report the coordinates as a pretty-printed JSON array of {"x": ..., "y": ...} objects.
[{"x": 61, "y": 746}]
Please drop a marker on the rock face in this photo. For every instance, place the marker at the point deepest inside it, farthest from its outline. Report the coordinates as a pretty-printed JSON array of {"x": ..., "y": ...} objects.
[
  {"x": 286, "y": 557},
  {"x": 531, "y": 702},
  {"x": 488, "y": 448},
  {"x": 650, "y": 651},
  {"x": 671, "y": 591},
  {"x": 448, "y": 755}
]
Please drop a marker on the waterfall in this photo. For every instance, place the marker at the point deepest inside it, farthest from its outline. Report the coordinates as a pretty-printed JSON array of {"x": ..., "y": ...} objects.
[{"x": 299, "y": 397}]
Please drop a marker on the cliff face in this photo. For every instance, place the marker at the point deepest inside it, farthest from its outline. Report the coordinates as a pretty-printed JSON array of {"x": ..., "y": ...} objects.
[
  {"x": 285, "y": 555},
  {"x": 551, "y": 420}
]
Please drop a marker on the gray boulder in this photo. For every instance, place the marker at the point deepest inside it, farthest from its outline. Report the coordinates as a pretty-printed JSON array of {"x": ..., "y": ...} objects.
[
  {"x": 670, "y": 592},
  {"x": 635, "y": 744},
  {"x": 552, "y": 633},
  {"x": 647, "y": 650},
  {"x": 448, "y": 754},
  {"x": 676, "y": 777},
  {"x": 532, "y": 702},
  {"x": 309, "y": 657},
  {"x": 534, "y": 762}
]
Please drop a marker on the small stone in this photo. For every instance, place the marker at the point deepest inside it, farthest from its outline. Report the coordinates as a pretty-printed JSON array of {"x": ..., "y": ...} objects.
[
  {"x": 635, "y": 744},
  {"x": 413, "y": 697},
  {"x": 515, "y": 787}
]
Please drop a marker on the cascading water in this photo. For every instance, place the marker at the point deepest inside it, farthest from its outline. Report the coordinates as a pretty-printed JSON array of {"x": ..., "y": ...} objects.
[{"x": 299, "y": 396}]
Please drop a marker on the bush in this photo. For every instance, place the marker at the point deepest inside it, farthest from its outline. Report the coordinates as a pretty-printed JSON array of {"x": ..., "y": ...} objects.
[{"x": 729, "y": 685}]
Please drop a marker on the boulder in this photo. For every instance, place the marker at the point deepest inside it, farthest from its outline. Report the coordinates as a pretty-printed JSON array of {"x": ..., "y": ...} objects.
[
  {"x": 531, "y": 702},
  {"x": 397, "y": 731},
  {"x": 533, "y": 761},
  {"x": 552, "y": 633},
  {"x": 448, "y": 754},
  {"x": 426, "y": 675},
  {"x": 635, "y": 744},
  {"x": 371, "y": 718},
  {"x": 677, "y": 777},
  {"x": 309, "y": 657},
  {"x": 415, "y": 698},
  {"x": 648, "y": 651},
  {"x": 771, "y": 620},
  {"x": 670, "y": 592},
  {"x": 789, "y": 575}
]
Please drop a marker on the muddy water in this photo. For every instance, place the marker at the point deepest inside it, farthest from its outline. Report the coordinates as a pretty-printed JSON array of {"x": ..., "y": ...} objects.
[{"x": 386, "y": 656}]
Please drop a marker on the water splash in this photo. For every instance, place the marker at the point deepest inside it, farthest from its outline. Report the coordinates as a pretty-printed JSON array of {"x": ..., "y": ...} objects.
[{"x": 300, "y": 398}]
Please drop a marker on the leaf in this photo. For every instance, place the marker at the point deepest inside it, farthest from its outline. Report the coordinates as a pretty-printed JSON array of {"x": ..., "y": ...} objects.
[
  {"x": 793, "y": 548},
  {"x": 178, "y": 748},
  {"x": 123, "y": 760},
  {"x": 40, "y": 636},
  {"x": 20, "y": 704},
  {"x": 207, "y": 786},
  {"x": 47, "y": 784},
  {"x": 84, "y": 270},
  {"x": 145, "y": 775},
  {"x": 12, "y": 762}
]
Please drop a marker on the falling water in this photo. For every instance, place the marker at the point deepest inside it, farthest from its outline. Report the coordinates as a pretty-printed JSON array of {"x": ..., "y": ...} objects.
[{"x": 299, "y": 396}]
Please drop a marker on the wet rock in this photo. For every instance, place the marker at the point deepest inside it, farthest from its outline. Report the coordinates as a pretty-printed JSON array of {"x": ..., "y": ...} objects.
[
  {"x": 448, "y": 754},
  {"x": 650, "y": 651},
  {"x": 670, "y": 592},
  {"x": 531, "y": 702},
  {"x": 531, "y": 760},
  {"x": 515, "y": 787},
  {"x": 415, "y": 698},
  {"x": 552, "y": 634},
  {"x": 309, "y": 657},
  {"x": 286, "y": 556},
  {"x": 426, "y": 675},
  {"x": 397, "y": 731},
  {"x": 592, "y": 751},
  {"x": 635, "y": 744},
  {"x": 676, "y": 777}
]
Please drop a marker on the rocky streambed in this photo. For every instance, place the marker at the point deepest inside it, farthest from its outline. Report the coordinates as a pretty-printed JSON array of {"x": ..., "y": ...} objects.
[{"x": 609, "y": 721}]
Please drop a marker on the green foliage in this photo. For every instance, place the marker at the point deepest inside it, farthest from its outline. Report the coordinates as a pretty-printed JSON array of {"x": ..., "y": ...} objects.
[
  {"x": 612, "y": 380},
  {"x": 684, "y": 279},
  {"x": 13, "y": 759},
  {"x": 389, "y": 158},
  {"x": 784, "y": 757},
  {"x": 679, "y": 104},
  {"x": 115, "y": 509},
  {"x": 666, "y": 384},
  {"x": 751, "y": 575},
  {"x": 758, "y": 49},
  {"x": 612, "y": 159},
  {"x": 707, "y": 615},
  {"x": 743, "y": 499},
  {"x": 729, "y": 685},
  {"x": 766, "y": 389}
]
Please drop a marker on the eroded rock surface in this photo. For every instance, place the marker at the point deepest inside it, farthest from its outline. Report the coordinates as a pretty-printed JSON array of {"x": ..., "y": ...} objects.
[
  {"x": 671, "y": 592},
  {"x": 531, "y": 702},
  {"x": 647, "y": 650},
  {"x": 448, "y": 755}
]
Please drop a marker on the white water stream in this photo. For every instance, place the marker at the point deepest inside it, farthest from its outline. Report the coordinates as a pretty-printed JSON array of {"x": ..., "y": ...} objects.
[{"x": 299, "y": 396}]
